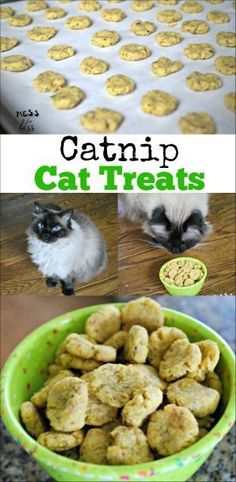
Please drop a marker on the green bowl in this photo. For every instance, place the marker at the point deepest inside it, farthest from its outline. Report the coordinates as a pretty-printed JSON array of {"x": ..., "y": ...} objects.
[
  {"x": 184, "y": 290},
  {"x": 26, "y": 370}
]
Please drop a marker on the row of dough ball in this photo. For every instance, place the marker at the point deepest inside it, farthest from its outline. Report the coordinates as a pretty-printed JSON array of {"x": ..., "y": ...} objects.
[
  {"x": 169, "y": 17},
  {"x": 117, "y": 15},
  {"x": 101, "y": 120},
  {"x": 188, "y": 6}
]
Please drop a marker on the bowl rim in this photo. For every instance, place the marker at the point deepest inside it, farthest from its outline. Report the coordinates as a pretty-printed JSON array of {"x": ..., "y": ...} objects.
[
  {"x": 55, "y": 460},
  {"x": 181, "y": 288}
]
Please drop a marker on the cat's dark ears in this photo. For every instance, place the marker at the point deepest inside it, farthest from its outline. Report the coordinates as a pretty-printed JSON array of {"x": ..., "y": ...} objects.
[
  {"x": 38, "y": 209},
  {"x": 66, "y": 216}
]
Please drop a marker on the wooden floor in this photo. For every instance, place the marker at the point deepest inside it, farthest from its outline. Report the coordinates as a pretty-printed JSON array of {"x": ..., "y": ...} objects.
[
  {"x": 19, "y": 275},
  {"x": 139, "y": 263}
]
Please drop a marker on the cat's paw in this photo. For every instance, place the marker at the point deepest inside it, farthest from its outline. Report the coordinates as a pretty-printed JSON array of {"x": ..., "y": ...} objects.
[{"x": 51, "y": 282}]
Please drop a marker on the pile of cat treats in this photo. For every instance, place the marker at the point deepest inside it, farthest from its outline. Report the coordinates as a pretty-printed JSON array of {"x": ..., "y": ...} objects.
[
  {"x": 172, "y": 60},
  {"x": 127, "y": 391},
  {"x": 182, "y": 273}
]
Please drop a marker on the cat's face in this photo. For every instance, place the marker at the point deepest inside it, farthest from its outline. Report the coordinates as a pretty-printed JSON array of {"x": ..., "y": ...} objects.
[
  {"x": 176, "y": 237},
  {"x": 50, "y": 223}
]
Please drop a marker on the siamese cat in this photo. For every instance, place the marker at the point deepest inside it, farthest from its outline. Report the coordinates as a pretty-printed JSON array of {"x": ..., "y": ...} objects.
[
  {"x": 176, "y": 222},
  {"x": 66, "y": 246}
]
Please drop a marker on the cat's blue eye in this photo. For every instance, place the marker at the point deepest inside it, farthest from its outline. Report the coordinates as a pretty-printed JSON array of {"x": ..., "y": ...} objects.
[
  {"x": 56, "y": 229},
  {"x": 40, "y": 225}
]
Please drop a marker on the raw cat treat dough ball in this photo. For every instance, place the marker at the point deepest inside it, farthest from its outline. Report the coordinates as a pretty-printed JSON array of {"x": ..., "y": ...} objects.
[
  {"x": 167, "y": 39},
  {"x": 6, "y": 12},
  {"x": 202, "y": 82},
  {"x": 61, "y": 52},
  {"x": 226, "y": 39},
  {"x": 93, "y": 66},
  {"x": 8, "y": 43},
  {"x": 113, "y": 15},
  {"x": 226, "y": 65},
  {"x": 164, "y": 66},
  {"x": 158, "y": 103},
  {"x": 41, "y": 34},
  {"x": 16, "y": 63},
  {"x": 142, "y": 28},
  {"x": 78, "y": 23},
  {"x": 20, "y": 20},
  {"x": 89, "y": 5},
  {"x": 54, "y": 13},
  {"x": 230, "y": 101},
  {"x": 101, "y": 120},
  {"x": 191, "y": 7},
  {"x": 199, "y": 51},
  {"x": 68, "y": 98},
  {"x": 197, "y": 123},
  {"x": 134, "y": 52},
  {"x": 105, "y": 38},
  {"x": 36, "y": 5},
  {"x": 49, "y": 82},
  {"x": 120, "y": 85}
]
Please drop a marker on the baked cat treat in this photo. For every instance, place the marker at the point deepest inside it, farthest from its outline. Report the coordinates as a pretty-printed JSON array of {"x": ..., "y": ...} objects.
[
  {"x": 197, "y": 123},
  {"x": 182, "y": 273},
  {"x": 16, "y": 63},
  {"x": 172, "y": 429},
  {"x": 159, "y": 103},
  {"x": 160, "y": 341},
  {"x": 66, "y": 404},
  {"x": 32, "y": 419},
  {"x": 61, "y": 52},
  {"x": 8, "y": 43},
  {"x": 200, "y": 400},
  {"x": 60, "y": 442},
  {"x": 128, "y": 446},
  {"x": 49, "y": 82},
  {"x": 179, "y": 360},
  {"x": 136, "y": 345},
  {"x": 123, "y": 412},
  {"x": 94, "y": 447}
]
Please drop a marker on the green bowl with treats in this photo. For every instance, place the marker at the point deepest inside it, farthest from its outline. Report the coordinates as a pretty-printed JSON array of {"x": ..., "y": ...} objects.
[
  {"x": 183, "y": 276},
  {"x": 26, "y": 371}
]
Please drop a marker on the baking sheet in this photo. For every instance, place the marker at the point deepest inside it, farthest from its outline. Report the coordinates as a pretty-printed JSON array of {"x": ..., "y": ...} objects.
[{"x": 18, "y": 94}]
